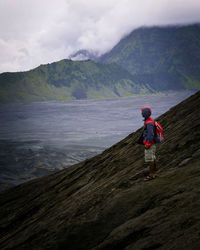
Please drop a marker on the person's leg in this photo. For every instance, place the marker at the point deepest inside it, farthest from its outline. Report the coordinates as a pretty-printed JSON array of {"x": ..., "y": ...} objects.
[
  {"x": 152, "y": 169},
  {"x": 150, "y": 158}
]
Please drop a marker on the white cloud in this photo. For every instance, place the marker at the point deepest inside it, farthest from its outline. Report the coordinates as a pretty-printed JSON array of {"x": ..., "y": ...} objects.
[{"x": 35, "y": 32}]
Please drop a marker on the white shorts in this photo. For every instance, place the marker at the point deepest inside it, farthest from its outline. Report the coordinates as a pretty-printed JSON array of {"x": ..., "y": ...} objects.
[{"x": 150, "y": 153}]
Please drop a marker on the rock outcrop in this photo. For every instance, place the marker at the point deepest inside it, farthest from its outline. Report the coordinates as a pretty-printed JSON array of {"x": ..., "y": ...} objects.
[{"x": 103, "y": 202}]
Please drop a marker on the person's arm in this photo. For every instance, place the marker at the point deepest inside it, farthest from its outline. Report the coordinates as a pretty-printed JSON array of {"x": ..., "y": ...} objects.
[
  {"x": 140, "y": 140},
  {"x": 150, "y": 134}
]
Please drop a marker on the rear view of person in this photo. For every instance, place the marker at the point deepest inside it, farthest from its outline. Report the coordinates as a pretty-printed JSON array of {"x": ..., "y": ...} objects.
[{"x": 149, "y": 143}]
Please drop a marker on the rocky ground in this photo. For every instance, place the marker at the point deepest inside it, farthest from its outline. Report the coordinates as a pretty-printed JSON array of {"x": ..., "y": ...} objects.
[{"x": 104, "y": 203}]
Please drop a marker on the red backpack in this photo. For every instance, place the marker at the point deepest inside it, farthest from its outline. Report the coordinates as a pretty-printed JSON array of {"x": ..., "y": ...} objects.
[{"x": 159, "y": 134}]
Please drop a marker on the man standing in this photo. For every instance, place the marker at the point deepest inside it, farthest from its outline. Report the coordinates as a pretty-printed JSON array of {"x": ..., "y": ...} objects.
[{"x": 149, "y": 143}]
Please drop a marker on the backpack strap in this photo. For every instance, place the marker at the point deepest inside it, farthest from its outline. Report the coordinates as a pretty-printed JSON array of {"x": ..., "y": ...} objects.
[{"x": 149, "y": 120}]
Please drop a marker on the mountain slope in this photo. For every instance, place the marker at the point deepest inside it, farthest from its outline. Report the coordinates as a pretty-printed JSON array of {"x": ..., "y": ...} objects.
[
  {"x": 103, "y": 202},
  {"x": 164, "y": 57},
  {"x": 68, "y": 80},
  {"x": 145, "y": 61}
]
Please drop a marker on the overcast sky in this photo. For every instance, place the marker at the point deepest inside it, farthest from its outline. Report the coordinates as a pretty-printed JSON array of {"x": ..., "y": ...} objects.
[{"x": 34, "y": 32}]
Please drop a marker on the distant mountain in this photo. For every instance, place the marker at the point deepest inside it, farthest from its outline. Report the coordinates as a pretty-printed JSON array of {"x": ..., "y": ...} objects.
[
  {"x": 69, "y": 80},
  {"x": 84, "y": 55},
  {"x": 103, "y": 203},
  {"x": 164, "y": 57},
  {"x": 147, "y": 60}
]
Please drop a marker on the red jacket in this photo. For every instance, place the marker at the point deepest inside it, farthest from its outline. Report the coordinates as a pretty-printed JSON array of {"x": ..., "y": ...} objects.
[{"x": 149, "y": 127}]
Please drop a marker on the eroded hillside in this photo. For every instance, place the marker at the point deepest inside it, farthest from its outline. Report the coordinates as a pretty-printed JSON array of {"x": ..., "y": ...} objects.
[{"x": 104, "y": 203}]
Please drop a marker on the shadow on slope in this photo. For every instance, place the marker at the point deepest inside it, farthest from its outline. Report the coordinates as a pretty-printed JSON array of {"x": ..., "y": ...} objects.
[{"x": 103, "y": 202}]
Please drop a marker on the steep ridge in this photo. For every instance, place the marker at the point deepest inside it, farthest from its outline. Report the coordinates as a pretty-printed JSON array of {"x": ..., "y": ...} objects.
[
  {"x": 103, "y": 202},
  {"x": 165, "y": 57},
  {"x": 69, "y": 80}
]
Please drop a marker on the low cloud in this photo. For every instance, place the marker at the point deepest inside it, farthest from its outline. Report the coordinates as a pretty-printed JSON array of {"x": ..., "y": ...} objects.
[{"x": 36, "y": 32}]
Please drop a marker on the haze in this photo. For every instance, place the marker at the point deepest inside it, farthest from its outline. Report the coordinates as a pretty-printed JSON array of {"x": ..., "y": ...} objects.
[{"x": 37, "y": 32}]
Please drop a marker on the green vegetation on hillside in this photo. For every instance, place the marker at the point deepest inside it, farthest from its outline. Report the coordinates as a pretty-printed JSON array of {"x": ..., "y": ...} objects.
[
  {"x": 145, "y": 61},
  {"x": 164, "y": 57},
  {"x": 68, "y": 80}
]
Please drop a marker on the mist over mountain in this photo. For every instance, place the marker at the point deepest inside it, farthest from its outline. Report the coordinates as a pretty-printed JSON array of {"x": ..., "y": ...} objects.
[
  {"x": 82, "y": 55},
  {"x": 164, "y": 57},
  {"x": 144, "y": 62}
]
